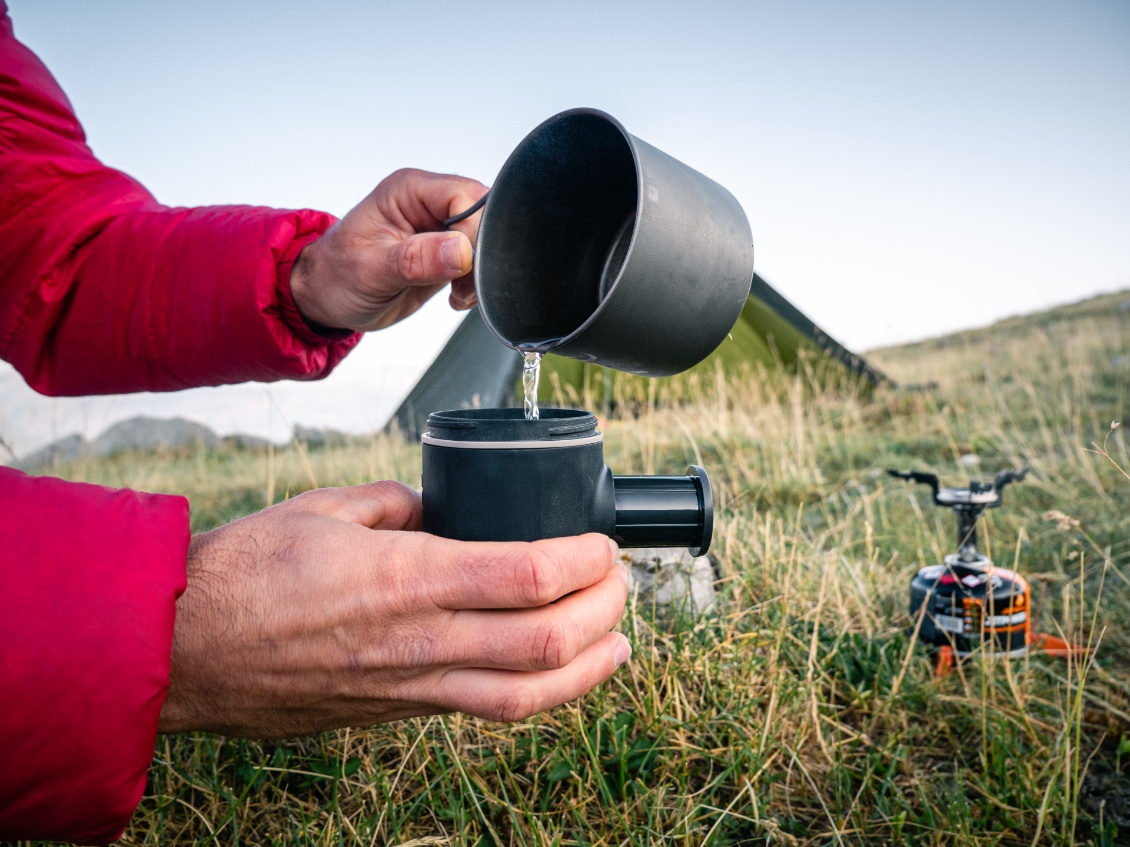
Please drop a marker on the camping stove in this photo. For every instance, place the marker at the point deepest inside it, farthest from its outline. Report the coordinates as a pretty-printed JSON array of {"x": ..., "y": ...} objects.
[{"x": 967, "y": 602}]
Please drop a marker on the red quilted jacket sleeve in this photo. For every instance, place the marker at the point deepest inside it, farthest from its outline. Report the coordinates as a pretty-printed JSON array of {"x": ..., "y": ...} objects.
[
  {"x": 89, "y": 578},
  {"x": 103, "y": 290}
]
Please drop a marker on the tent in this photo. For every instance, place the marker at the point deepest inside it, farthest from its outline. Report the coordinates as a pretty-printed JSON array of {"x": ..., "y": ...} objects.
[{"x": 475, "y": 369}]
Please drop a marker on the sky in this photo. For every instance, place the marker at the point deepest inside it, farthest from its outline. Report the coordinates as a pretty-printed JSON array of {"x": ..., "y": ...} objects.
[{"x": 908, "y": 169}]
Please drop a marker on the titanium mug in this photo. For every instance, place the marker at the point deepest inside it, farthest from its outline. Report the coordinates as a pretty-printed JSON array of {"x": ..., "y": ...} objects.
[{"x": 597, "y": 246}]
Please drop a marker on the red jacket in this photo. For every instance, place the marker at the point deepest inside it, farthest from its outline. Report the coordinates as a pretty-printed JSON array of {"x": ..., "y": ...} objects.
[{"x": 103, "y": 290}]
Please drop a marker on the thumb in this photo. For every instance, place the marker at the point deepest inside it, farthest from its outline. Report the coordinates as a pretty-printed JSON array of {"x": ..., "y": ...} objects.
[
  {"x": 428, "y": 258},
  {"x": 377, "y": 505}
]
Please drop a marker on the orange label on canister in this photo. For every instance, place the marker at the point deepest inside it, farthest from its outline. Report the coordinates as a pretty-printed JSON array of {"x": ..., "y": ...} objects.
[{"x": 972, "y": 608}]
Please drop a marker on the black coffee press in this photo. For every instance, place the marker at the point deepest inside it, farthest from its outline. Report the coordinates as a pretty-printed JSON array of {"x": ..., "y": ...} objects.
[
  {"x": 492, "y": 475},
  {"x": 595, "y": 245}
]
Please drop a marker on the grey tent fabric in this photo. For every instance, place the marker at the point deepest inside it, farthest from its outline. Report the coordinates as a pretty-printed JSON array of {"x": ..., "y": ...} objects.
[
  {"x": 476, "y": 369},
  {"x": 473, "y": 369},
  {"x": 767, "y": 294}
]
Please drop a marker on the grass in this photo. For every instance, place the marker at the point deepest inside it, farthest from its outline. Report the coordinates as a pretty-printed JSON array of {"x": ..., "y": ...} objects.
[{"x": 800, "y": 710}]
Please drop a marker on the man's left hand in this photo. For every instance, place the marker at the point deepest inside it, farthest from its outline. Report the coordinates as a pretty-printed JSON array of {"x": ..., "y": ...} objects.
[{"x": 390, "y": 254}]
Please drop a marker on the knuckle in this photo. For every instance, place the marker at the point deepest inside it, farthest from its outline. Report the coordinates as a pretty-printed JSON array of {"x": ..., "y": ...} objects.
[
  {"x": 400, "y": 505},
  {"x": 537, "y": 577},
  {"x": 411, "y": 263},
  {"x": 399, "y": 495},
  {"x": 319, "y": 501},
  {"x": 344, "y": 504},
  {"x": 391, "y": 489},
  {"x": 411, "y": 650},
  {"x": 427, "y": 558},
  {"x": 404, "y": 576},
  {"x": 515, "y": 703},
  {"x": 307, "y": 498},
  {"x": 403, "y": 175},
  {"x": 555, "y": 645}
]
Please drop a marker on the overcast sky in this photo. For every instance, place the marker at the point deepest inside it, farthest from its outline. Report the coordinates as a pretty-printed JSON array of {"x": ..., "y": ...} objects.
[{"x": 908, "y": 168}]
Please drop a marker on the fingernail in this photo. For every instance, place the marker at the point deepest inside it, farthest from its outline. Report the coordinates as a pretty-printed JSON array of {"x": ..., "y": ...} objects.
[
  {"x": 624, "y": 575},
  {"x": 452, "y": 253},
  {"x": 462, "y": 299},
  {"x": 615, "y": 548},
  {"x": 623, "y": 651}
]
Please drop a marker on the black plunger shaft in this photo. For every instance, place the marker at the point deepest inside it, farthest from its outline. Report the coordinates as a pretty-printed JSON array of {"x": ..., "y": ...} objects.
[{"x": 664, "y": 511}]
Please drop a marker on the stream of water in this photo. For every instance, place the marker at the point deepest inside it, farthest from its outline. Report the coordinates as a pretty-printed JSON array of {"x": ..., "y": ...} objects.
[{"x": 531, "y": 373}]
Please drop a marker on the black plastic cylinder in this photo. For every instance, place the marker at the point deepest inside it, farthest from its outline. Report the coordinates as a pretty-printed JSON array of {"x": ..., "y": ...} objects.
[
  {"x": 491, "y": 475},
  {"x": 665, "y": 511}
]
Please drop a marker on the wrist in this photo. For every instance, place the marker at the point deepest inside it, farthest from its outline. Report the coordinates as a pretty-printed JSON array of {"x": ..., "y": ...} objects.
[
  {"x": 199, "y": 634},
  {"x": 300, "y": 282},
  {"x": 299, "y": 304}
]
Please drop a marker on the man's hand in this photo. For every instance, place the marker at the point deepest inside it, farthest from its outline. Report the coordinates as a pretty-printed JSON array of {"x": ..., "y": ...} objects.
[
  {"x": 385, "y": 258},
  {"x": 331, "y": 610}
]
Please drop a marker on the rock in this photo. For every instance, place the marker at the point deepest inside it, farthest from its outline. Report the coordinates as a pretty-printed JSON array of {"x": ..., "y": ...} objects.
[
  {"x": 969, "y": 460},
  {"x": 142, "y": 433},
  {"x": 670, "y": 579},
  {"x": 240, "y": 441},
  {"x": 64, "y": 450},
  {"x": 313, "y": 437}
]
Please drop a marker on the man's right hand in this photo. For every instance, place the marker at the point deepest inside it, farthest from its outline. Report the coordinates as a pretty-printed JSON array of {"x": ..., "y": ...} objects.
[{"x": 332, "y": 609}]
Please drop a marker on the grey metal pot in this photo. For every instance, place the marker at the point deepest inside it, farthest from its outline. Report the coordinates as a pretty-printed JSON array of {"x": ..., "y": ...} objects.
[{"x": 598, "y": 246}]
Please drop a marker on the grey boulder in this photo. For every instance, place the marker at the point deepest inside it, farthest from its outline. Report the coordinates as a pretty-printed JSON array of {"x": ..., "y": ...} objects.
[{"x": 670, "y": 580}]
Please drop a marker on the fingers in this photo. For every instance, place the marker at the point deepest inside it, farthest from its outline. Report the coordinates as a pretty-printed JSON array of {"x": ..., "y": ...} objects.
[
  {"x": 427, "y": 199},
  {"x": 378, "y": 505},
  {"x": 511, "y": 575},
  {"x": 390, "y": 253},
  {"x": 429, "y": 258},
  {"x": 462, "y": 295},
  {"x": 545, "y": 638},
  {"x": 513, "y": 695}
]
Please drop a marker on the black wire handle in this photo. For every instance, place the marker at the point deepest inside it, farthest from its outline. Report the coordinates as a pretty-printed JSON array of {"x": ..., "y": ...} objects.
[{"x": 462, "y": 216}]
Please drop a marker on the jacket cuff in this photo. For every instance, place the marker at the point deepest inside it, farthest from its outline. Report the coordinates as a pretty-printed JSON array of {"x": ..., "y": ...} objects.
[
  {"x": 88, "y": 585},
  {"x": 288, "y": 310}
]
